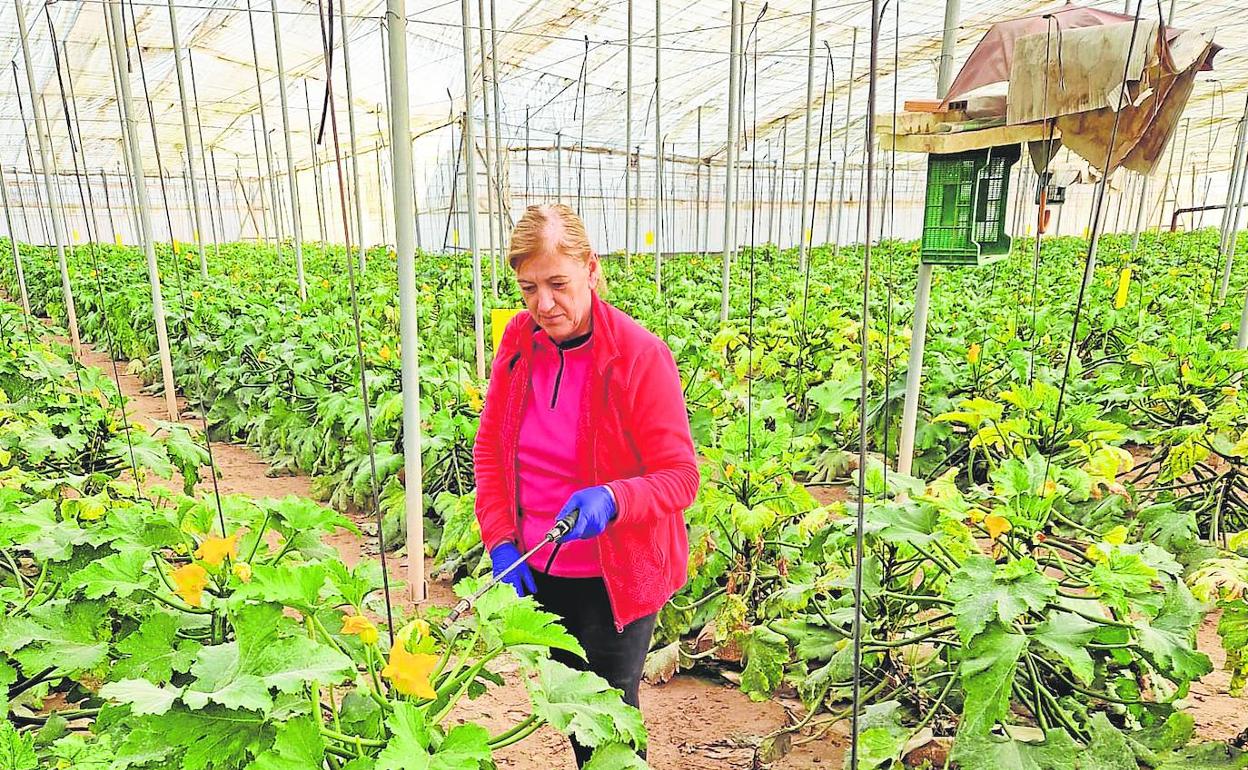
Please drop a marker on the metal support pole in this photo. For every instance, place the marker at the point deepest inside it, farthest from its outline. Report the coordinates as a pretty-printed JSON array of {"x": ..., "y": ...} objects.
[
  {"x": 145, "y": 216},
  {"x": 629, "y": 244},
  {"x": 381, "y": 187},
  {"x": 1232, "y": 201},
  {"x": 45, "y": 160},
  {"x": 357, "y": 192},
  {"x": 17, "y": 254},
  {"x": 133, "y": 217},
  {"x": 658, "y": 148},
  {"x": 316, "y": 169},
  {"x": 187, "y": 139},
  {"x": 502, "y": 159},
  {"x": 295, "y": 214},
  {"x": 203, "y": 159},
  {"x": 1233, "y": 236},
  {"x": 918, "y": 333},
  {"x": 1139, "y": 215},
  {"x": 637, "y": 189},
  {"x": 470, "y": 189},
  {"x": 264, "y": 131},
  {"x": 264, "y": 210},
  {"x": 730, "y": 154},
  {"x": 489, "y": 154},
  {"x": 849, "y": 102},
  {"x": 559, "y": 166},
  {"x": 697, "y": 220},
  {"x": 807, "y": 225},
  {"x": 409, "y": 337}
]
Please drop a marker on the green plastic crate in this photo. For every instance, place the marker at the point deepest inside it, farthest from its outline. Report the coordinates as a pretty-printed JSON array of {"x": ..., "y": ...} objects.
[{"x": 964, "y": 213}]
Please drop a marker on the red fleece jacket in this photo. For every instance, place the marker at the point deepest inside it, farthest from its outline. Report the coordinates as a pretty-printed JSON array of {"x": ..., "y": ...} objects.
[{"x": 633, "y": 436}]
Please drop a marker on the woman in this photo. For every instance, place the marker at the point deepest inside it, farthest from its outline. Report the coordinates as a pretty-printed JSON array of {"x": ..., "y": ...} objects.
[{"x": 585, "y": 413}]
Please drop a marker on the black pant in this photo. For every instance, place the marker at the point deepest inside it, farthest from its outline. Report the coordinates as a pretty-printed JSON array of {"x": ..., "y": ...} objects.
[{"x": 583, "y": 607}]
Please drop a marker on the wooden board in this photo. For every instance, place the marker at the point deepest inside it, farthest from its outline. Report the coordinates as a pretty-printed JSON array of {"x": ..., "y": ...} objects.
[{"x": 957, "y": 142}]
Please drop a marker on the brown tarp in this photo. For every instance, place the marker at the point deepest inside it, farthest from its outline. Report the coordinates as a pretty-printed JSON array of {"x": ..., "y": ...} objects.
[{"x": 992, "y": 59}]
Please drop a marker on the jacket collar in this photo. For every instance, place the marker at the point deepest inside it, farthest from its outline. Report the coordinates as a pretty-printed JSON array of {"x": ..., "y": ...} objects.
[{"x": 605, "y": 348}]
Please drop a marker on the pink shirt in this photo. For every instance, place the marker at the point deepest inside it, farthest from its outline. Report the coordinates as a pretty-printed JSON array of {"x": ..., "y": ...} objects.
[{"x": 546, "y": 456}]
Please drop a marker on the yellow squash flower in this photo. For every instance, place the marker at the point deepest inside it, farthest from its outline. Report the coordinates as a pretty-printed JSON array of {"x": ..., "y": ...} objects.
[
  {"x": 972, "y": 354},
  {"x": 410, "y": 671},
  {"x": 242, "y": 571},
  {"x": 997, "y": 525},
  {"x": 361, "y": 626},
  {"x": 190, "y": 582},
  {"x": 214, "y": 549},
  {"x": 384, "y": 354}
]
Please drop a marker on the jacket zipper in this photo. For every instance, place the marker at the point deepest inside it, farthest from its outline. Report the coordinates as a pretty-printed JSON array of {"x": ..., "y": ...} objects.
[
  {"x": 554, "y": 396},
  {"x": 615, "y": 615}
]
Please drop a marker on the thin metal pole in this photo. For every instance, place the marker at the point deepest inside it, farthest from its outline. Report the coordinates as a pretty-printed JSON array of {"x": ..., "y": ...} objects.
[
  {"x": 730, "y": 155},
  {"x": 658, "y": 147},
  {"x": 317, "y": 186},
  {"x": 489, "y": 153},
  {"x": 808, "y": 224},
  {"x": 133, "y": 217},
  {"x": 923, "y": 289},
  {"x": 17, "y": 254},
  {"x": 296, "y": 217},
  {"x": 1231, "y": 210},
  {"x": 216, "y": 185},
  {"x": 381, "y": 187},
  {"x": 145, "y": 216},
  {"x": 264, "y": 209},
  {"x": 357, "y": 192},
  {"x": 108, "y": 206},
  {"x": 187, "y": 139},
  {"x": 782, "y": 178},
  {"x": 526, "y": 156},
  {"x": 697, "y": 221},
  {"x": 409, "y": 337},
  {"x": 45, "y": 160},
  {"x": 849, "y": 103},
  {"x": 629, "y": 244},
  {"x": 203, "y": 159},
  {"x": 1231, "y": 241},
  {"x": 501, "y": 158},
  {"x": 1139, "y": 215},
  {"x": 637, "y": 189},
  {"x": 559, "y": 166},
  {"x": 264, "y": 131},
  {"x": 470, "y": 189}
]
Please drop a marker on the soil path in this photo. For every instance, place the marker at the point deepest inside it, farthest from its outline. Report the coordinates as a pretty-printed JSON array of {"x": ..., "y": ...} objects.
[{"x": 695, "y": 723}]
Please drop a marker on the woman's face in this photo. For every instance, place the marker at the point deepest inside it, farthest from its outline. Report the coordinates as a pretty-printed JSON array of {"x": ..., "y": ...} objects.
[{"x": 558, "y": 292}]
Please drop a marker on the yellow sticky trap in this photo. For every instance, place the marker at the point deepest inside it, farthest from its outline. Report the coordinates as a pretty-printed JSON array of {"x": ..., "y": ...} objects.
[
  {"x": 77, "y": 237},
  {"x": 1027, "y": 231},
  {"x": 499, "y": 318},
  {"x": 196, "y": 234},
  {"x": 455, "y": 237},
  {"x": 175, "y": 246},
  {"x": 649, "y": 237},
  {"x": 1124, "y": 287},
  {"x": 809, "y": 235},
  {"x": 1085, "y": 232},
  {"x": 117, "y": 238}
]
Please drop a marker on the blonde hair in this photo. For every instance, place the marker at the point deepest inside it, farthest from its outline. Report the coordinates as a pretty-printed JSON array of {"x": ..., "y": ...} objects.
[{"x": 533, "y": 234}]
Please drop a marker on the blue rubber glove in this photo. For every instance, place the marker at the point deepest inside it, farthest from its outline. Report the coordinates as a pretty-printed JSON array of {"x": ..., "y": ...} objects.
[
  {"x": 503, "y": 556},
  {"x": 597, "y": 508}
]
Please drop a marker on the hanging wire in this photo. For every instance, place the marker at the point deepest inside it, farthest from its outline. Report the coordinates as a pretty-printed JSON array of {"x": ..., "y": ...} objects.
[
  {"x": 803, "y": 401},
  {"x": 749, "y": 397},
  {"x": 1043, "y": 189},
  {"x": 860, "y": 522},
  {"x": 196, "y": 356},
  {"x": 891, "y": 197},
  {"x": 327, "y": 37}
]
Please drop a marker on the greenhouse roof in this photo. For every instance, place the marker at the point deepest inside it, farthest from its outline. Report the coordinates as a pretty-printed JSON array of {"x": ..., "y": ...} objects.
[{"x": 544, "y": 52}]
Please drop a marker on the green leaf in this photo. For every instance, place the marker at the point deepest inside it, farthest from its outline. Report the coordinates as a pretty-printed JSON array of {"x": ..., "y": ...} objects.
[
  {"x": 981, "y": 592},
  {"x": 984, "y": 751},
  {"x": 582, "y": 704},
  {"x": 241, "y": 673},
  {"x": 298, "y": 746},
  {"x": 408, "y": 748},
  {"x": 752, "y": 522},
  {"x": 65, "y": 636},
  {"x": 523, "y": 623},
  {"x": 7, "y": 677},
  {"x": 142, "y": 696},
  {"x": 17, "y": 751},
  {"x": 765, "y": 652},
  {"x": 987, "y": 672},
  {"x": 1205, "y": 756},
  {"x": 291, "y": 585},
  {"x": 212, "y": 737},
  {"x": 615, "y": 756},
  {"x": 1233, "y": 629},
  {"x": 466, "y": 747},
  {"x": 1121, "y": 577},
  {"x": 153, "y": 652},
  {"x": 148, "y": 452},
  {"x": 1066, "y": 635},
  {"x": 120, "y": 573},
  {"x": 1169, "y": 640},
  {"x": 881, "y": 736}
]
